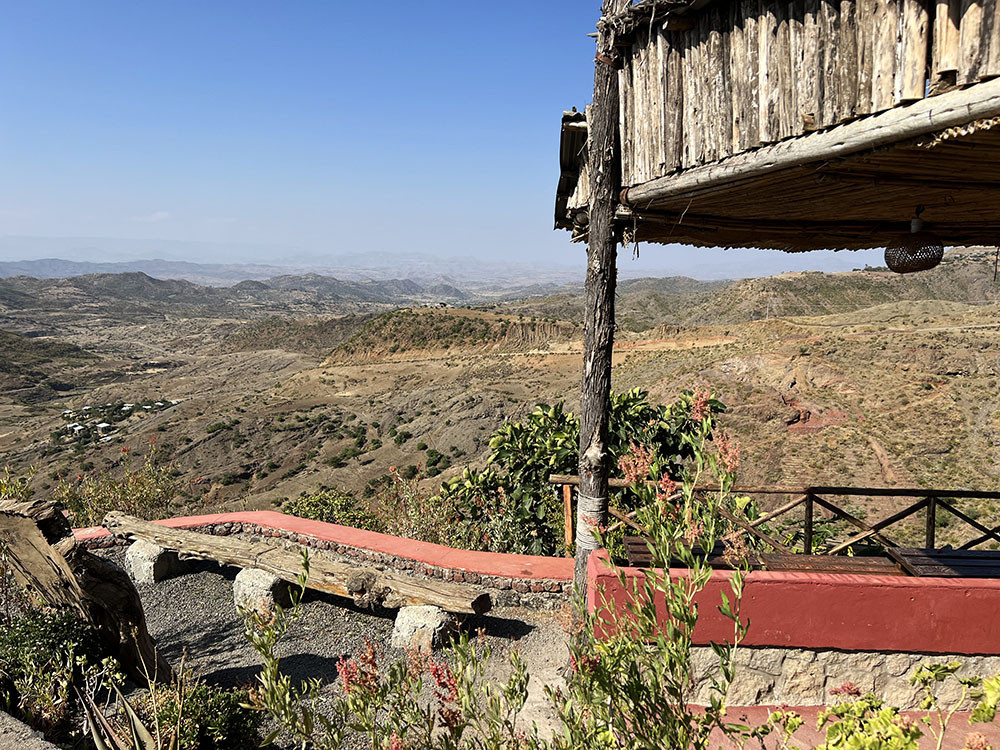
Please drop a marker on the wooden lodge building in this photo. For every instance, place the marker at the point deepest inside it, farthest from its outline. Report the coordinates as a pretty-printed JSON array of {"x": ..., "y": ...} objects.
[{"x": 794, "y": 125}]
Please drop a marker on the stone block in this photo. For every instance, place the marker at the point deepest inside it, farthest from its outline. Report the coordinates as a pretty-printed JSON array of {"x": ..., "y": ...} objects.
[
  {"x": 149, "y": 563},
  {"x": 259, "y": 591},
  {"x": 422, "y": 628}
]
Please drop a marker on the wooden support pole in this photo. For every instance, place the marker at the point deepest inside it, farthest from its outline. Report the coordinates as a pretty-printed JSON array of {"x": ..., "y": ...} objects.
[{"x": 599, "y": 317}]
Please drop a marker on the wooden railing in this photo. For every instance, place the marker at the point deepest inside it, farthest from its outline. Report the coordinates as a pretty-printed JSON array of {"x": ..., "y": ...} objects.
[{"x": 929, "y": 501}]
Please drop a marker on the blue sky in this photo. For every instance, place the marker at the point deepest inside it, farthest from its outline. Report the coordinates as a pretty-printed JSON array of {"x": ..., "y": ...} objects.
[{"x": 329, "y": 127}]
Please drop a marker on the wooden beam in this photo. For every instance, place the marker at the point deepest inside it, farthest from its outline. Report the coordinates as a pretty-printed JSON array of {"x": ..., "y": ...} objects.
[
  {"x": 604, "y": 175},
  {"x": 987, "y": 533},
  {"x": 755, "y": 532},
  {"x": 853, "y": 520},
  {"x": 779, "y": 511},
  {"x": 901, "y": 123},
  {"x": 364, "y": 583},
  {"x": 873, "y": 530}
]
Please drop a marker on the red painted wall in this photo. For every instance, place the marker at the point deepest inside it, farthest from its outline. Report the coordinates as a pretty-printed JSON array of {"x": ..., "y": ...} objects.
[
  {"x": 839, "y": 611},
  {"x": 483, "y": 563}
]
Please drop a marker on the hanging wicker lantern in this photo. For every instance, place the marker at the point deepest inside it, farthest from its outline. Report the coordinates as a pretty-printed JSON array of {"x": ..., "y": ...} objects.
[{"x": 917, "y": 251}]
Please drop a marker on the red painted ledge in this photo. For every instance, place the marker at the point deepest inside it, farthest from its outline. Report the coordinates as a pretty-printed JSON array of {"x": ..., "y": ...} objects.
[
  {"x": 482, "y": 563},
  {"x": 837, "y": 611}
]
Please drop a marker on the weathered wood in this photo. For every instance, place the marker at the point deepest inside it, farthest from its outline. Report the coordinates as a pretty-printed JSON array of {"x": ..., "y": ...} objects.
[
  {"x": 574, "y": 480},
  {"x": 945, "y": 37},
  {"x": 987, "y": 533},
  {"x": 847, "y": 102},
  {"x": 865, "y": 30},
  {"x": 875, "y": 528},
  {"x": 925, "y": 116},
  {"x": 839, "y": 564},
  {"x": 807, "y": 534},
  {"x": 766, "y": 104},
  {"x": 45, "y": 558},
  {"x": 673, "y": 146},
  {"x": 930, "y": 522},
  {"x": 361, "y": 583},
  {"x": 755, "y": 532},
  {"x": 749, "y": 106},
  {"x": 599, "y": 320},
  {"x": 914, "y": 33},
  {"x": 948, "y": 563},
  {"x": 969, "y": 42},
  {"x": 36, "y": 565},
  {"x": 627, "y": 520},
  {"x": 991, "y": 39},
  {"x": 779, "y": 511},
  {"x": 829, "y": 63},
  {"x": 853, "y": 520},
  {"x": 884, "y": 56}
]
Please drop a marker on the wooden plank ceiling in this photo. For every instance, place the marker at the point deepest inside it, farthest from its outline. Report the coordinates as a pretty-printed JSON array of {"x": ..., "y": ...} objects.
[{"x": 855, "y": 202}]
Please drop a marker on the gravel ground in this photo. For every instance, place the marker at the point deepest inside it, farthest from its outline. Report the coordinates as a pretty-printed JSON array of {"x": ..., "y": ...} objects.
[
  {"x": 15, "y": 735},
  {"x": 193, "y": 616}
]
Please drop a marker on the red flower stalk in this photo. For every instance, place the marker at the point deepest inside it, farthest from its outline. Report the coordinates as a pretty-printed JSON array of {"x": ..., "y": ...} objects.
[
  {"x": 586, "y": 664},
  {"x": 729, "y": 450},
  {"x": 848, "y": 689},
  {"x": 444, "y": 679},
  {"x": 699, "y": 404},
  {"x": 635, "y": 464},
  {"x": 360, "y": 671}
]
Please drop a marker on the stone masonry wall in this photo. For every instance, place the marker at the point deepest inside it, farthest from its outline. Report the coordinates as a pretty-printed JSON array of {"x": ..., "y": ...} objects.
[{"x": 802, "y": 677}]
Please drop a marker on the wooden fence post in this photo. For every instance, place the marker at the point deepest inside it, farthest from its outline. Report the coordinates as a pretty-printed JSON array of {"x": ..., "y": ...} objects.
[
  {"x": 807, "y": 540},
  {"x": 599, "y": 316},
  {"x": 567, "y": 491},
  {"x": 931, "y": 522}
]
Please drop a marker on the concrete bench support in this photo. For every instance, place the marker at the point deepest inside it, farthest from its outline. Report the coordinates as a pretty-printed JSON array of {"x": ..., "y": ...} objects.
[
  {"x": 150, "y": 563},
  {"x": 259, "y": 591}
]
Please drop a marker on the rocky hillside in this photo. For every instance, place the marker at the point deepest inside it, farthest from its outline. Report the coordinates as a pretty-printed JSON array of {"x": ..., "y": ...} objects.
[
  {"x": 420, "y": 330},
  {"x": 965, "y": 275},
  {"x": 34, "y": 370},
  {"x": 313, "y": 336}
]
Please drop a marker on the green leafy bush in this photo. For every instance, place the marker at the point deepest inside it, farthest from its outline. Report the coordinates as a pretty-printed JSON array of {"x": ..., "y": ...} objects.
[
  {"x": 509, "y": 505},
  {"x": 511, "y": 502},
  {"x": 333, "y": 506},
  {"x": 41, "y": 655},
  {"x": 202, "y": 716}
]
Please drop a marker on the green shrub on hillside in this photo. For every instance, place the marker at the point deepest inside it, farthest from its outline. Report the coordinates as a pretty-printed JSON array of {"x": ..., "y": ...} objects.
[{"x": 145, "y": 491}]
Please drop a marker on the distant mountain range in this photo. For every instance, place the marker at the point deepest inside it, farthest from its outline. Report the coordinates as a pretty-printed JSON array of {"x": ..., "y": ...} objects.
[
  {"x": 138, "y": 290},
  {"x": 964, "y": 276}
]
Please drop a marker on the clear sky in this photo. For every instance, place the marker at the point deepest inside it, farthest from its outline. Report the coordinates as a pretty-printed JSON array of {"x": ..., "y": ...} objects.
[{"x": 324, "y": 125}]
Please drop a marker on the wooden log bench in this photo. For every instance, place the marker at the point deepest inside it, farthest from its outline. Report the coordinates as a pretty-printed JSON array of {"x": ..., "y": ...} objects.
[{"x": 366, "y": 585}]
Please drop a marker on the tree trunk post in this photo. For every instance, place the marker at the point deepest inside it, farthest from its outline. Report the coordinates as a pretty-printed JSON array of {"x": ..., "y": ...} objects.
[{"x": 599, "y": 321}]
